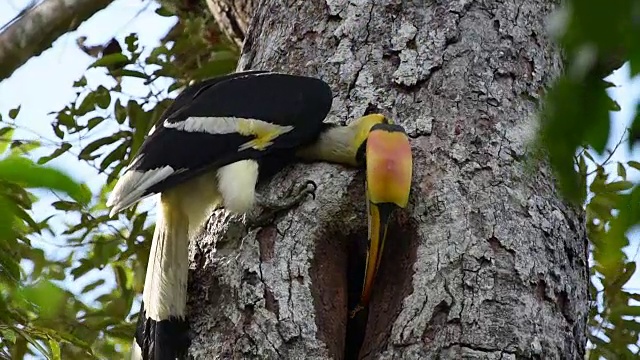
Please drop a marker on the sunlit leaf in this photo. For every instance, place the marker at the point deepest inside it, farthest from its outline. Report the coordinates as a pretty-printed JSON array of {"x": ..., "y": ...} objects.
[
  {"x": 6, "y": 135},
  {"x": 55, "y": 349},
  {"x": 25, "y": 172},
  {"x": 618, "y": 186},
  {"x": 8, "y": 334},
  {"x": 22, "y": 147},
  {"x": 110, "y": 59},
  {"x": 64, "y": 147}
]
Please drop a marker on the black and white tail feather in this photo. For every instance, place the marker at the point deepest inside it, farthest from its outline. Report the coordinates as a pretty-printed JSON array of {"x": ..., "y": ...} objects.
[{"x": 207, "y": 151}]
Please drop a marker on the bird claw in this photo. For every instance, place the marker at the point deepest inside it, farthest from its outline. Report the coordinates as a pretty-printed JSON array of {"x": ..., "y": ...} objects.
[
  {"x": 295, "y": 195},
  {"x": 308, "y": 188}
]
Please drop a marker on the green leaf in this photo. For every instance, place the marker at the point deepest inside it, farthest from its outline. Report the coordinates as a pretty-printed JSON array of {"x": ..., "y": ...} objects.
[
  {"x": 617, "y": 186},
  {"x": 629, "y": 310},
  {"x": 6, "y": 134},
  {"x": 634, "y": 129},
  {"x": 225, "y": 62},
  {"x": 93, "y": 122},
  {"x": 568, "y": 124},
  {"x": 117, "y": 154},
  {"x": 634, "y": 164},
  {"x": 162, "y": 11},
  {"x": 84, "y": 267},
  {"x": 55, "y": 349},
  {"x": 110, "y": 59},
  {"x": 64, "y": 147},
  {"x": 82, "y": 82},
  {"x": 13, "y": 113},
  {"x": 120, "y": 112},
  {"x": 103, "y": 97},
  {"x": 136, "y": 113},
  {"x": 32, "y": 341},
  {"x": 131, "y": 40},
  {"x": 8, "y": 334},
  {"x": 133, "y": 73},
  {"x": 66, "y": 205},
  {"x": 86, "y": 153},
  {"x": 87, "y": 105},
  {"x": 47, "y": 296},
  {"x": 93, "y": 286},
  {"x": 629, "y": 270},
  {"x": 622, "y": 172},
  {"x": 24, "y": 216},
  {"x": 39, "y": 261},
  {"x": 24, "y": 172},
  {"x": 8, "y": 263},
  {"x": 67, "y": 120},
  {"x": 588, "y": 156},
  {"x": 19, "y": 147},
  {"x": 56, "y": 129}
]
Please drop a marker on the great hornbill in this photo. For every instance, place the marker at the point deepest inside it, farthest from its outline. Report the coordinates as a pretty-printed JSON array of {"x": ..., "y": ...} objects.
[{"x": 208, "y": 150}]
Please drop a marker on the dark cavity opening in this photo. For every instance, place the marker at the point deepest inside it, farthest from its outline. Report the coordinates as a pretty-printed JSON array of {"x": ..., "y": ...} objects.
[{"x": 356, "y": 326}]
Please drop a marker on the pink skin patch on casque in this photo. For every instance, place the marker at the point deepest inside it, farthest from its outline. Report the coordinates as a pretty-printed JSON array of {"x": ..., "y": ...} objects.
[{"x": 389, "y": 167}]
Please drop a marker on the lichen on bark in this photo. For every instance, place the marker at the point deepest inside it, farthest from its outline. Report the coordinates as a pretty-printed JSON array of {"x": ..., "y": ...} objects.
[{"x": 486, "y": 263}]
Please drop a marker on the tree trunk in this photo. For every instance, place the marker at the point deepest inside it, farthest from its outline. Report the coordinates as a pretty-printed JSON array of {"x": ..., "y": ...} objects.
[
  {"x": 39, "y": 27},
  {"x": 486, "y": 263},
  {"x": 233, "y": 16}
]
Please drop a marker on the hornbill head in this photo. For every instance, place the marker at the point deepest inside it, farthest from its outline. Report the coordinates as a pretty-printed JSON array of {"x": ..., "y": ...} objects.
[
  {"x": 374, "y": 142},
  {"x": 389, "y": 167}
]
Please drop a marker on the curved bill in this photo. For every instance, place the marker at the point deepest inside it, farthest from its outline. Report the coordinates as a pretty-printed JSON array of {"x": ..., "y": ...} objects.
[
  {"x": 379, "y": 216},
  {"x": 388, "y": 183}
]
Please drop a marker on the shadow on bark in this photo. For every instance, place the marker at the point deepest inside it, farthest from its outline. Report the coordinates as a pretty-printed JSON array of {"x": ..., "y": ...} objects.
[{"x": 338, "y": 272}]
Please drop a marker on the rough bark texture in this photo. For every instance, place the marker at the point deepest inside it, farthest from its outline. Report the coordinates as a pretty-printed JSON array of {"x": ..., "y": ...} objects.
[
  {"x": 233, "y": 17},
  {"x": 486, "y": 263},
  {"x": 39, "y": 27}
]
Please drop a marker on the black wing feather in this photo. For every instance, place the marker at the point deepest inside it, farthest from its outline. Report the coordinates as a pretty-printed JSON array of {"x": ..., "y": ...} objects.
[
  {"x": 301, "y": 102},
  {"x": 191, "y": 92}
]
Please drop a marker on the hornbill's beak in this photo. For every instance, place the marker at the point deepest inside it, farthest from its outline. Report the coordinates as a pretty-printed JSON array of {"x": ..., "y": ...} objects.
[{"x": 388, "y": 183}]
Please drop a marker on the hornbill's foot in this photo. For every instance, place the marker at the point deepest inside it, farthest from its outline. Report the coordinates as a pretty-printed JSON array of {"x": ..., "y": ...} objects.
[{"x": 295, "y": 195}]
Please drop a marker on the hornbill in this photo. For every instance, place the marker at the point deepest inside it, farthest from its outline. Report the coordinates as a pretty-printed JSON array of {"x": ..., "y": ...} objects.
[
  {"x": 383, "y": 149},
  {"x": 207, "y": 151}
]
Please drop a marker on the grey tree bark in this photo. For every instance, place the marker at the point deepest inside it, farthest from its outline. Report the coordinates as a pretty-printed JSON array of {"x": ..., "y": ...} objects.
[
  {"x": 486, "y": 263},
  {"x": 233, "y": 16},
  {"x": 39, "y": 27}
]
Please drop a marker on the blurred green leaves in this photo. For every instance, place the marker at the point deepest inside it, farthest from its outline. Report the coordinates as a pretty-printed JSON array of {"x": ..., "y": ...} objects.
[
  {"x": 102, "y": 128},
  {"x": 23, "y": 172},
  {"x": 597, "y": 37},
  {"x": 27, "y": 306}
]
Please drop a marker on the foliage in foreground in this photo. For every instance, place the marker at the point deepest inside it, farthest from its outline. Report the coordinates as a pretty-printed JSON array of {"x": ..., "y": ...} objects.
[
  {"x": 102, "y": 128},
  {"x": 111, "y": 124},
  {"x": 597, "y": 37}
]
